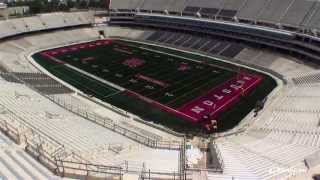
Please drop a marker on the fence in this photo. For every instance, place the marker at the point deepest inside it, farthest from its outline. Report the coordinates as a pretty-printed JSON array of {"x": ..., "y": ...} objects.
[
  {"x": 214, "y": 150},
  {"x": 57, "y": 159},
  {"x": 128, "y": 115},
  {"x": 109, "y": 124},
  {"x": 51, "y": 153},
  {"x": 149, "y": 175},
  {"x": 10, "y": 131},
  {"x": 66, "y": 163}
]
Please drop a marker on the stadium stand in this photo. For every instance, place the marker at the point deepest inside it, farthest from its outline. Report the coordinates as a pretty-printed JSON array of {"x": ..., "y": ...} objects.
[
  {"x": 274, "y": 9},
  {"x": 307, "y": 79},
  {"x": 54, "y": 121},
  {"x": 34, "y": 23},
  {"x": 123, "y": 5},
  {"x": 285, "y": 134},
  {"x": 311, "y": 19},
  {"x": 230, "y": 8},
  {"x": 290, "y": 144},
  {"x": 52, "y": 20},
  {"x": 17, "y": 164},
  {"x": 42, "y": 83},
  {"x": 296, "y": 13},
  {"x": 154, "y": 5},
  {"x": 205, "y": 44},
  {"x": 176, "y": 6},
  {"x": 19, "y": 25}
]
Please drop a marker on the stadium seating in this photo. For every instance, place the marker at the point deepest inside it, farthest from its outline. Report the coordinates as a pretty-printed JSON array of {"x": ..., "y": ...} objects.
[
  {"x": 296, "y": 13},
  {"x": 123, "y": 5},
  {"x": 308, "y": 79},
  {"x": 283, "y": 136},
  {"x": 274, "y": 10},
  {"x": 52, "y": 20},
  {"x": 287, "y": 13},
  {"x": 154, "y": 5},
  {"x": 176, "y": 6},
  {"x": 34, "y": 23},
  {"x": 17, "y": 164},
  {"x": 205, "y": 44},
  {"x": 20, "y": 25},
  {"x": 311, "y": 19},
  {"x": 55, "y": 121}
]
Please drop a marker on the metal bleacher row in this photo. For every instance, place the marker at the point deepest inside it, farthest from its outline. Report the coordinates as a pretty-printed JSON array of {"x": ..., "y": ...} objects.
[
  {"x": 26, "y": 104},
  {"x": 291, "y": 13},
  {"x": 43, "y": 22},
  {"x": 204, "y": 43},
  {"x": 285, "y": 136},
  {"x": 17, "y": 164}
]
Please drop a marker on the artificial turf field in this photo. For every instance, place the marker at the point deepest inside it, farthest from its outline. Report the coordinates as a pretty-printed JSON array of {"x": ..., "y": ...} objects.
[{"x": 186, "y": 93}]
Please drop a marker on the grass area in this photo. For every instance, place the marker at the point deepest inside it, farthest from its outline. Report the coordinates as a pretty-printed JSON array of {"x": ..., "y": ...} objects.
[{"x": 170, "y": 78}]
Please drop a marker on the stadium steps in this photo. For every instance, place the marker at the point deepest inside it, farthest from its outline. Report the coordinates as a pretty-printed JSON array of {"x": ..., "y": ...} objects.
[
  {"x": 233, "y": 167},
  {"x": 22, "y": 43},
  {"x": 309, "y": 138},
  {"x": 259, "y": 165},
  {"x": 174, "y": 38},
  {"x": 17, "y": 165},
  {"x": 184, "y": 38},
  {"x": 300, "y": 121},
  {"x": 247, "y": 54},
  {"x": 9, "y": 47},
  {"x": 145, "y": 35},
  {"x": 5, "y": 141},
  {"x": 308, "y": 79},
  {"x": 261, "y": 161},
  {"x": 304, "y": 91}
]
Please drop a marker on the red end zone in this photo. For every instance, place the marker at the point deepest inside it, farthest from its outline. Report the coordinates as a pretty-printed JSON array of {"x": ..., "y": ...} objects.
[
  {"x": 207, "y": 108},
  {"x": 76, "y": 47}
]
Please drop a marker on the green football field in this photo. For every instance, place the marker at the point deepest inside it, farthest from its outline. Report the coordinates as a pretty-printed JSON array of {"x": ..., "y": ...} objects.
[{"x": 155, "y": 83}]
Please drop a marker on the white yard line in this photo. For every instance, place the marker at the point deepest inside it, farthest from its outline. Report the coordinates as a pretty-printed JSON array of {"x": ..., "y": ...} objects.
[
  {"x": 95, "y": 77},
  {"x": 181, "y": 57}
]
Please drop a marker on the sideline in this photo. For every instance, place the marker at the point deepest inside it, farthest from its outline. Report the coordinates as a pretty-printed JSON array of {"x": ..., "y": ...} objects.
[{"x": 271, "y": 97}]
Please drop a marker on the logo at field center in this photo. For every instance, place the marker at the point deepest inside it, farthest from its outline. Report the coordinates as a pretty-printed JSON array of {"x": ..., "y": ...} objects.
[{"x": 133, "y": 62}]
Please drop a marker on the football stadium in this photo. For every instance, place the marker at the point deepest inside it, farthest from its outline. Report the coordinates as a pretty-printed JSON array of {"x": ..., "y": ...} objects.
[{"x": 160, "y": 90}]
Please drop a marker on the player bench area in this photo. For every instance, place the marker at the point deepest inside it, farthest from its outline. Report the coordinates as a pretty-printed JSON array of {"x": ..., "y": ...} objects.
[{"x": 195, "y": 91}]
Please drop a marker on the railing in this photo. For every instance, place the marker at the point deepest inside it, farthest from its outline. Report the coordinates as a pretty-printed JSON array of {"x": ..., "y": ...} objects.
[
  {"x": 28, "y": 131},
  {"x": 150, "y": 175},
  {"x": 67, "y": 163},
  {"x": 10, "y": 131},
  {"x": 52, "y": 154},
  {"x": 41, "y": 155},
  {"x": 72, "y": 168},
  {"x": 109, "y": 124},
  {"x": 127, "y": 115},
  {"x": 219, "y": 156}
]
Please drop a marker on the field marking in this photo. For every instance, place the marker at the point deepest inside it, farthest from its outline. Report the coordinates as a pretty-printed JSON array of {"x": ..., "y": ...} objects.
[
  {"x": 181, "y": 80},
  {"x": 181, "y": 57},
  {"x": 95, "y": 77},
  {"x": 218, "y": 59},
  {"x": 112, "y": 94},
  {"x": 192, "y": 91},
  {"x": 237, "y": 95},
  {"x": 56, "y": 70},
  {"x": 154, "y": 51},
  {"x": 160, "y": 105}
]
